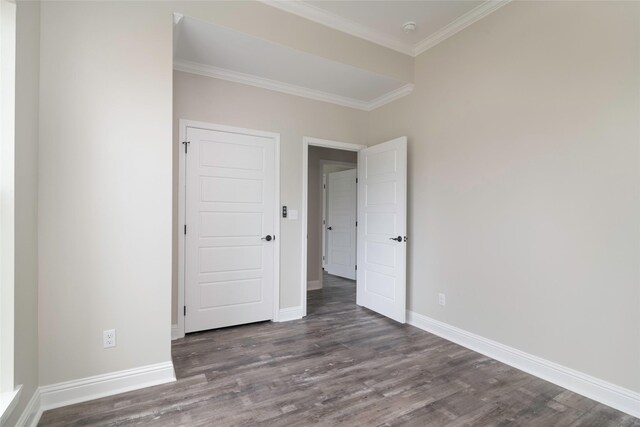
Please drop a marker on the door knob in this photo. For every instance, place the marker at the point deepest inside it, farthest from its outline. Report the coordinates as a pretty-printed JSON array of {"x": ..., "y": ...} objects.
[
  {"x": 397, "y": 239},
  {"x": 267, "y": 238},
  {"x": 330, "y": 228}
]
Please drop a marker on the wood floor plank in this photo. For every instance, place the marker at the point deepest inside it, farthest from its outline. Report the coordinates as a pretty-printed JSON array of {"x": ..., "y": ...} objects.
[{"x": 341, "y": 365}]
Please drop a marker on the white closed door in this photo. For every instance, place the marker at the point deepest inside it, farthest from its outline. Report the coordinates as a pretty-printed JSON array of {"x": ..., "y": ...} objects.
[
  {"x": 341, "y": 224},
  {"x": 382, "y": 219},
  {"x": 230, "y": 211}
]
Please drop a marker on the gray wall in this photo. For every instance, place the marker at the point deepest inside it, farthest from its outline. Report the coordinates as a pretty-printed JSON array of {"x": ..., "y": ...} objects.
[
  {"x": 524, "y": 182},
  {"x": 26, "y": 203},
  {"x": 104, "y": 187}
]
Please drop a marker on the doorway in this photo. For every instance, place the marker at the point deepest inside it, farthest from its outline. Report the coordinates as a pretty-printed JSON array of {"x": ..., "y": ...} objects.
[
  {"x": 381, "y": 231},
  {"x": 331, "y": 218},
  {"x": 325, "y": 249},
  {"x": 318, "y": 213},
  {"x": 339, "y": 218}
]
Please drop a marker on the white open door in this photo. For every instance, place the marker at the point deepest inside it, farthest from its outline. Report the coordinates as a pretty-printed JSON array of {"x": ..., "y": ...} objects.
[
  {"x": 382, "y": 219},
  {"x": 230, "y": 246},
  {"x": 341, "y": 224}
]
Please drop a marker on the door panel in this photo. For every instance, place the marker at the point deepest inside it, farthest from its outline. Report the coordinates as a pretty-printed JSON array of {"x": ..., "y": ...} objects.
[
  {"x": 229, "y": 268},
  {"x": 341, "y": 218},
  {"x": 382, "y": 213}
]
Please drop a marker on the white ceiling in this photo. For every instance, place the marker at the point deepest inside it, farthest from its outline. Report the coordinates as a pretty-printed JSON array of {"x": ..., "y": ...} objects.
[
  {"x": 381, "y": 21},
  {"x": 387, "y": 17},
  {"x": 208, "y": 49}
]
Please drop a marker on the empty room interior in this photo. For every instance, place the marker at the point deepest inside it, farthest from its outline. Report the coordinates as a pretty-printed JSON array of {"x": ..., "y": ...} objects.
[{"x": 294, "y": 213}]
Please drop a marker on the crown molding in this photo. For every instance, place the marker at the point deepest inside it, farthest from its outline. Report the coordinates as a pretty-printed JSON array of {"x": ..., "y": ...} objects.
[
  {"x": 339, "y": 23},
  {"x": 261, "y": 82},
  {"x": 391, "y": 96},
  {"x": 458, "y": 25},
  {"x": 328, "y": 19}
]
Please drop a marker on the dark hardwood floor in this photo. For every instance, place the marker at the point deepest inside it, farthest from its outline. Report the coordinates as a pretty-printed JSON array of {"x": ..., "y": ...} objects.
[{"x": 341, "y": 365}]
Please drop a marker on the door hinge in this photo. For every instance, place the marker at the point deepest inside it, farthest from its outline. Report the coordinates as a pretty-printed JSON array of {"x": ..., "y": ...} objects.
[
  {"x": 185, "y": 310},
  {"x": 356, "y": 223},
  {"x": 356, "y": 266},
  {"x": 186, "y": 144},
  {"x": 324, "y": 185},
  {"x": 185, "y": 229},
  {"x": 356, "y": 180}
]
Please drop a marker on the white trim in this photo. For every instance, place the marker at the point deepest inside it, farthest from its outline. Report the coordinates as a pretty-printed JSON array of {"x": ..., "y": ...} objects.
[
  {"x": 276, "y": 232},
  {"x": 313, "y": 285},
  {"x": 331, "y": 20},
  {"x": 8, "y": 402},
  {"x": 182, "y": 215},
  {"x": 459, "y": 24},
  {"x": 317, "y": 142},
  {"x": 261, "y": 82},
  {"x": 601, "y": 391},
  {"x": 391, "y": 96},
  {"x": 323, "y": 255},
  {"x": 183, "y": 125},
  {"x": 8, "y": 174},
  {"x": 328, "y": 19},
  {"x": 174, "y": 332},
  {"x": 291, "y": 313},
  {"x": 90, "y": 388},
  {"x": 264, "y": 83},
  {"x": 32, "y": 412}
]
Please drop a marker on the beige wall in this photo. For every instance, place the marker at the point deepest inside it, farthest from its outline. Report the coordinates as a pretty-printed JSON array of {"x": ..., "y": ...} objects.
[
  {"x": 217, "y": 101},
  {"x": 105, "y": 206},
  {"x": 524, "y": 182},
  {"x": 26, "y": 203},
  {"x": 314, "y": 204}
]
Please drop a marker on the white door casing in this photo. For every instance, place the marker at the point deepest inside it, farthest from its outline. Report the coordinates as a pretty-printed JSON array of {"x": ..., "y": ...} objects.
[
  {"x": 324, "y": 221},
  {"x": 382, "y": 210},
  {"x": 230, "y": 269},
  {"x": 341, "y": 224}
]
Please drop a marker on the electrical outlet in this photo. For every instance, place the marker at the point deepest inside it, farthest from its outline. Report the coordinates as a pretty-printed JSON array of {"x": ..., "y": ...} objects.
[
  {"x": 442, "y": 299},
  {"x": 109, "y": 338}
]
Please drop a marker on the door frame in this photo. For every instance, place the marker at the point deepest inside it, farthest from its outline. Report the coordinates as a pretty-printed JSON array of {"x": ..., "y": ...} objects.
[
  {"x": 182, "y": 201},
  {"x": 316, "y": 142}
]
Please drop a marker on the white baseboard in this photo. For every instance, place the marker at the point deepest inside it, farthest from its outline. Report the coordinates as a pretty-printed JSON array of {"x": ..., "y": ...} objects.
[
  {"x": 312, "y": 285},
  {"x": 82, "y": 390},
  {"x": 76, "y": 391},
  {"x": 32, "y": 412},
  {"x": 291, "y": 313},
  {"x": 601, "y": 391},
  {"x": 174, "y": 333}
]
